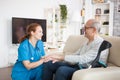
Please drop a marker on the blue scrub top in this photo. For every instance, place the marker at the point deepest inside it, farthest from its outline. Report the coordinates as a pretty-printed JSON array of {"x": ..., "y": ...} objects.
[{"x": 27, "y": 52}]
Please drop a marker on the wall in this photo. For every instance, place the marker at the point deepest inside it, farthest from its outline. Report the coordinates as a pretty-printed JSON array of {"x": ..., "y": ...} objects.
[
  {"x": 88, "y": 10},
  {"x": 116, "y": 19},
  {"x": 27, "y": 9}
]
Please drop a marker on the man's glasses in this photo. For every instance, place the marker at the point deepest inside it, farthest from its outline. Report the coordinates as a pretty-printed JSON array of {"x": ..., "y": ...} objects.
[{"x": 85, "y": 28}]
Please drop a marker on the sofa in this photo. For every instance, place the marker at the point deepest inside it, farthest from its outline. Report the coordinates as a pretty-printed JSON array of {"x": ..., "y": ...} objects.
[{"x": 112, "y": 72}]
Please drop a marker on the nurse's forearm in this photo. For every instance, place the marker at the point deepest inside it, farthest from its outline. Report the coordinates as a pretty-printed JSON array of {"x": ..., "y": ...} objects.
[{"x": 30, "y": 65}]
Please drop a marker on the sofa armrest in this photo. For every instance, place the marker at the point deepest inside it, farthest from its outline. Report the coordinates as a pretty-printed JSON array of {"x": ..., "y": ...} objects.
[{"x": 109, "y": 73}]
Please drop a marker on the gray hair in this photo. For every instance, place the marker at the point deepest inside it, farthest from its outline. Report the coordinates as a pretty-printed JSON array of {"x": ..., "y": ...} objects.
[{"x": 96, "y": 25}]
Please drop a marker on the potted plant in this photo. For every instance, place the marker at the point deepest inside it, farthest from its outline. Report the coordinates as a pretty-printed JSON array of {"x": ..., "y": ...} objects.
[{"x": 63, "y": 13}]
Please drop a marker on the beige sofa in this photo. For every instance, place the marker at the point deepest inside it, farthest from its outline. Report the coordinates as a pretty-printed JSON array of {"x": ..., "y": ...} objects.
[{"x": 112, "y": 72}]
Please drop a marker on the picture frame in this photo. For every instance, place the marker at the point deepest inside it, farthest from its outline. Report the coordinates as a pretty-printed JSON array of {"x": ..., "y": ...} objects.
[
  {"x": 118, "y": 7},
  {"x": 98, "y": 11}
]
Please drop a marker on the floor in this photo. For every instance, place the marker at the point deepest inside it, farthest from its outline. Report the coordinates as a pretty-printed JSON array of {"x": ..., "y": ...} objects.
[{"x": 5, "y": 73}]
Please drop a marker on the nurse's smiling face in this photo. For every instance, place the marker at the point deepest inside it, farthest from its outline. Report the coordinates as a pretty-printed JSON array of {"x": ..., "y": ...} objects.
[{"x": 38, "y": 33}]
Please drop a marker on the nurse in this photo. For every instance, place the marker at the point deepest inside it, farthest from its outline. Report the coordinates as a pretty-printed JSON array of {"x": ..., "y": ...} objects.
[{"x": 29, "y": 64}]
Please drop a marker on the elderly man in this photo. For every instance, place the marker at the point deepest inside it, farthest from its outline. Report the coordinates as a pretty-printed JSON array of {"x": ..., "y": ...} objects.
[{"x": 63, "y": 70}]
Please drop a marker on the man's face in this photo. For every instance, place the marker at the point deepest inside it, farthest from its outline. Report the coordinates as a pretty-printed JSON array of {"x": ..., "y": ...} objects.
[{"x": 89, "y": 30}]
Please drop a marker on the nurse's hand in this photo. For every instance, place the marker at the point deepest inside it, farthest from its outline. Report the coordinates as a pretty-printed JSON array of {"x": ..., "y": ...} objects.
[
  {"x": 42, "y": 60},
  {"x": 46, "y": 58}
]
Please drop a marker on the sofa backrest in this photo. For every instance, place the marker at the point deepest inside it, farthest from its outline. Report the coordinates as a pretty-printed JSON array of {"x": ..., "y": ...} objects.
[
  {"x": 74, "y": 42},
  {"x": 114, "y": 55}
]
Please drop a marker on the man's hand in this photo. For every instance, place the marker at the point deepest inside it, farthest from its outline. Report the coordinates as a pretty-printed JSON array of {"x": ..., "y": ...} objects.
[{"x": 54, "y": 57}]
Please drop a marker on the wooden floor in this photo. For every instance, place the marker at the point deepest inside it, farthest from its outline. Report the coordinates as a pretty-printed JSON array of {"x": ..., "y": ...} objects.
[{"x": 5, "y": 73}]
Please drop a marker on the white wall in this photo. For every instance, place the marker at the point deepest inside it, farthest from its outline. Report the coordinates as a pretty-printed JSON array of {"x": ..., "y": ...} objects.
[
  {"x": 88, "y": 10},
  {"x": 26, "y": 9}
]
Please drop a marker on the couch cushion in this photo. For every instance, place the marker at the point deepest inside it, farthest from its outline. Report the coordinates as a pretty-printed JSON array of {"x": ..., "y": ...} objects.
[
  {"x": 114, "y": 55},
  {"x": 73, "y": 43},
  {"x": 109, "y": 73}
]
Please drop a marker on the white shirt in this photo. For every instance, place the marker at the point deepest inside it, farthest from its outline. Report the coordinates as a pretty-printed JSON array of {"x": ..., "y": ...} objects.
[{"x": 88, "y": 52}]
